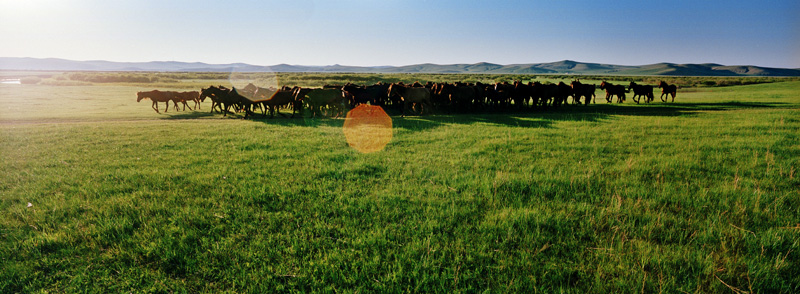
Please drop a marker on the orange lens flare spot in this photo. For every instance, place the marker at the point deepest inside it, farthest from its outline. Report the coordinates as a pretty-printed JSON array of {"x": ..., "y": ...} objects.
[{"x": 367, "y": 128}]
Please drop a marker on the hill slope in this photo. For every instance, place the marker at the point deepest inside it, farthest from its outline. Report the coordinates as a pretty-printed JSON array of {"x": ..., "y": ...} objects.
[{"x": 559, "y": 67}]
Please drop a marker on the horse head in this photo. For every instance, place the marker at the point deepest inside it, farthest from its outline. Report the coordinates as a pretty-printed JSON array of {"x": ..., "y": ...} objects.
[
  {"x": 396, "y": 89},
  {"x": 205, "y": 93}
]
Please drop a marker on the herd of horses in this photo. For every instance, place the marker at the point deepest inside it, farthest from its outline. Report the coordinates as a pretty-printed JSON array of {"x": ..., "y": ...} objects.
[{"x": 334, "y": 100}]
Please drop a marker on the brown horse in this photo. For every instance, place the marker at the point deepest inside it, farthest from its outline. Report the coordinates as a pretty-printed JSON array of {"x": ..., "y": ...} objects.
[
  {"x": 611, "y": 90},
  {"x": 193, "y": 96},
  {"x": 641, "y": 90},
  {"x": 667, "y": 89},
  {"x": 411, "y": 96},
  {"x": 184, "y": 97},
  {"x": 249, "y": 90},
  {"x": 277, "y": 99},
  {"x": 157, "y": 96}
]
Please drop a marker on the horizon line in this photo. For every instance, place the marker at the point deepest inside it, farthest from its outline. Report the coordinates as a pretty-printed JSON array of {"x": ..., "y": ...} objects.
[{"x": 378, "y": 66}]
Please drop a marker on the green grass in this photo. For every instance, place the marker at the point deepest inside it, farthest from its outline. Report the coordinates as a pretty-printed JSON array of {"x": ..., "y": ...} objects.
[{"x": 700, "y": 195}]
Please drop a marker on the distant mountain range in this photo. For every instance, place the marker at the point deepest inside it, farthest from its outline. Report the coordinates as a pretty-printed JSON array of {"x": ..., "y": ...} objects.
[{"x": 560, "y": 67}]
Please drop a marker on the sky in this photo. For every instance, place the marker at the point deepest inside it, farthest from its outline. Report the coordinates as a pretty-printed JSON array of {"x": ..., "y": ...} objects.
[{"x": 405, "y": 32}]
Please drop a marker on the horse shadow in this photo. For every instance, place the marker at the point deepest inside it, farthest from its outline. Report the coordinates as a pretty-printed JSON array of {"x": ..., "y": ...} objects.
[
  {"x": 187, "y": 115},
  {"x": 547, "y": 117},
  {"x": 528, "y": 118}
]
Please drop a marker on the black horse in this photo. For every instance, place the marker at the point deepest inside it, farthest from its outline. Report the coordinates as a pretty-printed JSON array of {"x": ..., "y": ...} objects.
[
  {"x": 583, "y": 90},
  {"x": 667, "y": 89},
  {"x": 365, "y": 94},
  {"x": 641, "y": 90}
]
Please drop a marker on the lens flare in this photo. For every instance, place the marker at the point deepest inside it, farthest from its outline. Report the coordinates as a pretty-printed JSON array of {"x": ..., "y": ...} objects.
[
  {"x": 367, "y": 128},
  {"x": 247, "y": 83}
]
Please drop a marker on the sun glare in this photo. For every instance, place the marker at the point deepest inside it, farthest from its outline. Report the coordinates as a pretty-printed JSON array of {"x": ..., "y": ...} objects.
[{"x": 367, "y": 128}]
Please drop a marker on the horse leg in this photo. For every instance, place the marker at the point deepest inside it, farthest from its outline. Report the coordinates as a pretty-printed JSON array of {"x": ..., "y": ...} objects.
[{"x": 155, "y": 106}]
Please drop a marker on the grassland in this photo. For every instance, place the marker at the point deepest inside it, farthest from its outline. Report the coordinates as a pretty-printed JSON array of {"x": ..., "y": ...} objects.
[{"x": 697, "y": 196}]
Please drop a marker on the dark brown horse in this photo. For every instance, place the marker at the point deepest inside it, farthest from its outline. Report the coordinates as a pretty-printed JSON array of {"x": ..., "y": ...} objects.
[
  {"x": 220, "y": 97},
  {"x": 667, "y": 89},
  {"x": 502, "y": 94},
  {"x": 645, "y": 91},
  {"x": 562, "y": 92},
  {"x": 334, "y": 99},
  {"x": 212, "y": 93},
  {"x": 410, "y": 96},
  {"x": 364, "y": 94},
  {"x": 157, "y": 96},
  {"x": 544, "y": 93},
  {"x": 583, "y": 90},
  {"x": 460, "y": 97},
  {"x": 521, "y": 95},
  {"x": 241, "y": 101},
  {"x": 611, "y": 90}
]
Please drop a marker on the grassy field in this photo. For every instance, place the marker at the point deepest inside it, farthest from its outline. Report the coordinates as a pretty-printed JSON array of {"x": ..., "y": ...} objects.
[{"x": 696, "y": 196}]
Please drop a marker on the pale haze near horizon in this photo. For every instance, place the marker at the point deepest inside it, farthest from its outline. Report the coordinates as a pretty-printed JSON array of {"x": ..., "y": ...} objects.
[{"x": 375, "y": 33}]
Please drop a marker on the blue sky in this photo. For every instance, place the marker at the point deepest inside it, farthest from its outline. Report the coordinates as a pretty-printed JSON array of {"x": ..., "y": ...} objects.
[{"x": 396, "y": 32}]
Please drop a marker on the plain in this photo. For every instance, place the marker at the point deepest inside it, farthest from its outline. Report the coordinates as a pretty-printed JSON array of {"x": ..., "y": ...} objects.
[{"x": 101, "y": 194}]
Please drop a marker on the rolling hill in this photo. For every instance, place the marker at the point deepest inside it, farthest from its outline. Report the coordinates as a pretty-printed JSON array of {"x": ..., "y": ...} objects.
[{"x": 559, "y": 67}]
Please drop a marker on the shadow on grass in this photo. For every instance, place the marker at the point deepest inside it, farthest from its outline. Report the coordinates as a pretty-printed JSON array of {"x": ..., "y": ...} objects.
[
  {"x": 188, "y": 115},
  {"x": 527, "y": 118}
]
